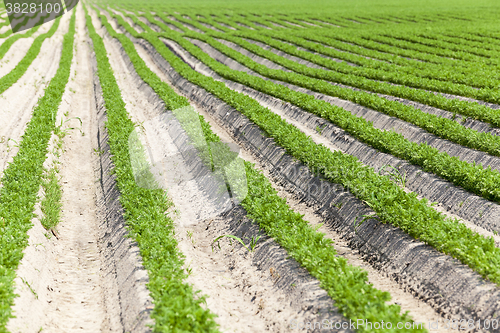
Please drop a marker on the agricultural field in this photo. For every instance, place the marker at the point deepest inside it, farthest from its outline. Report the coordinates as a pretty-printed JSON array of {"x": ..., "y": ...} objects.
[{"x": 271, "y": 166}]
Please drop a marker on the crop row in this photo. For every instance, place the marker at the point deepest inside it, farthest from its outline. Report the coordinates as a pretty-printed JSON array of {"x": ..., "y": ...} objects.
[
  {"x": 364, "y": 42},
  {"x": 287, "y": 22},
  {"x": 490, "y": 34},
  {"x": 173, "y": 22},
  {"x": 475, "y": 37},
  {"x": 355, "y": 77},
  {"x": 23, "y": 177},
  {"x": 446, "y": 128},
  {"x": 407, "y": 75},
  {"x": 392, "y": 204},
  {"x": 476, "y": 55},
  {"x": 392, "y": 40},
  {"x": 443, "y": 127},
  {"x": 5, "y": 47},
  {"x": 344, "y": 283},
  {"x": 447, "y": 81},
  {"x": 353, "y": 43},
  {"x": 461, "y": 38},
  {"x": 459, "y": 172},
  {"x": 372, "y": 139}
]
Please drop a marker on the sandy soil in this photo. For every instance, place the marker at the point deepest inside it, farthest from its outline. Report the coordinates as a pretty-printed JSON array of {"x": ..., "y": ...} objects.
[
  {"x": 66, "y": 274},
  {"x": 146, "y": 21},
  {"x": 60, "y": 279},
  {"x": 171, "y": 26},
  {"x": 4, "y": 29},
  {"x": 419, "y": 310}
]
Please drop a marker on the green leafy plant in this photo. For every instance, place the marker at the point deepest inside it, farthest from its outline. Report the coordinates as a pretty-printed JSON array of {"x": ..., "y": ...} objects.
[
  {"x": 283, "y": 221},
  {"x": 250, "y": 247},
  {"x": 30, "y": 287},
  {"x": 394, "y": 173},
  {"x": 176, "y": 307},
  {"x": 62, "y": 132}
]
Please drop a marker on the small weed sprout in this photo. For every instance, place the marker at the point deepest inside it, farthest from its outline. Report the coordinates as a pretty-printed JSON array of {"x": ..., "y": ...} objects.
[
  {"x": 320, "y": 129},
  {"x": 9, "y": 147},
  {"x": 395, "y": 174},
  {"x": 140, "y": 125},
  {"x": 190, "y": 235},
  {"x": 251, "y": 246},
  {"x": 39, "y": 244},
  {"x": 189, "y": 269},
  {"x": 99, "y": 152},
  {"x": 365, "y": 217},
  {"x": 60, "y": 132},
  {"x": 30, "y": 287}
]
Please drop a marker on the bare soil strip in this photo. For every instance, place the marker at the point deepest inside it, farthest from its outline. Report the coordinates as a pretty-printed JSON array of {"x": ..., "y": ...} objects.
[
  {"x": 187, "y": 25},
  {"x": 128, "y": 20},
  {"x": 143, "y": 20},
  {"x": 4, "y": 29},
  {"x": 171, "y": 26},
  {"x": 19, "y": 48},
  {"x": 206, "y": 25}
]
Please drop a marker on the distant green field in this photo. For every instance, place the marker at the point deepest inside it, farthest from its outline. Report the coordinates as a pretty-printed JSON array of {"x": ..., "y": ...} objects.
[{"x": 480, "y": 9}]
